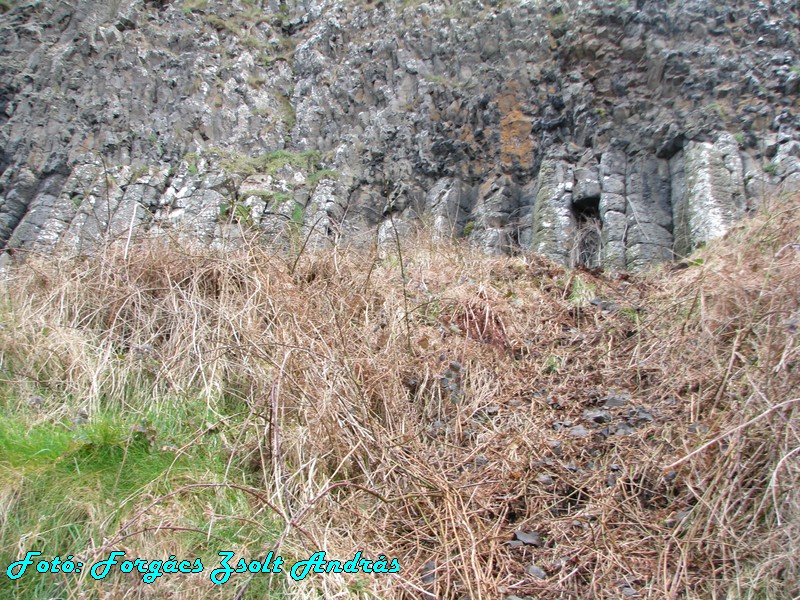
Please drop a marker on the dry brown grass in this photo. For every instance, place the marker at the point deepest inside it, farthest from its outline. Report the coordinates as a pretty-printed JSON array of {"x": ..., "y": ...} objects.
[{"x": 431, "y": 417}]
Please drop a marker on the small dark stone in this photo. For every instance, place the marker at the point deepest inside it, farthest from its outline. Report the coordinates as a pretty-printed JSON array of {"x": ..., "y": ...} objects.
[
  {"x": 428, "y": 572},
  {"x": 124, "y": 24},
  {"x": 597, "y": 416},
  {"x": 412, "y": 383},
  {"x": 529, "y": 538},
  {"x": 437, "y": 428},
  {"x": 617, "y": 400},
  {"x": 623, "y": 429},
  {"x": 537, "y": 572},
  {"x": 555, "y": 446},
  {"x": 629, "y": 592},
  {"x": 579, "y": 431}
]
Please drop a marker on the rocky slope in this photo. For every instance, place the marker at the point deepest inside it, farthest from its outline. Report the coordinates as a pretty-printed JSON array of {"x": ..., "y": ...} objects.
[{"x": 608, "y": 132}]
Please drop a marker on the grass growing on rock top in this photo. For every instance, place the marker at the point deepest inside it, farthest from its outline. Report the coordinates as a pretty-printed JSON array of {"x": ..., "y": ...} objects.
[
  {"x": 464, "y": 414},
  {"x": 269, "y": 163}
]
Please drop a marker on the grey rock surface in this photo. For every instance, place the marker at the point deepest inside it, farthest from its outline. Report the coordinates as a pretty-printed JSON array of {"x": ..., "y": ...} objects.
[{"x": 594, "y": 132}]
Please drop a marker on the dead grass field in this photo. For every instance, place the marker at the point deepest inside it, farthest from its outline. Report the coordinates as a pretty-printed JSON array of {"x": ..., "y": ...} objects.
[{"x": 502, "y": 426}]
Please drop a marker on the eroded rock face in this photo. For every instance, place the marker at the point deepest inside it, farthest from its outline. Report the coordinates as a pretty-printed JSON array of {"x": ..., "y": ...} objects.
[{"x": 595, "y": 132}]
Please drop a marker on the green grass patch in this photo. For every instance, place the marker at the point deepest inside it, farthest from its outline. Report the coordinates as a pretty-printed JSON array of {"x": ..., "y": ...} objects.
[
  {"x": 269, "y": 163},
  {"x": 288, "y": 112},
  {"x": 227, "y": 25},
  {"x": 191, "y": 6},
  {"x": 267, "y": 58},
  {"x": 581, "y": 292},
  {"x": 255, "y": 81},
  {"x": 298, "y": 215},
  {"x": 236, "y": 212},
  {"x": 321, "y": 174},
  {"x": 67, "y": 484}
]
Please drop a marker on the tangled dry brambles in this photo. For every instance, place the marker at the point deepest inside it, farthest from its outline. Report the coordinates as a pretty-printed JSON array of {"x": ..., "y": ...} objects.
[{"x": 502, "y": 426}]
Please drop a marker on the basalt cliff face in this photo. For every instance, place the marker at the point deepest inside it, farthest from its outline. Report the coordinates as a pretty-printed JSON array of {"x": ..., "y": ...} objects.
[{"x": 593, "y": 131}]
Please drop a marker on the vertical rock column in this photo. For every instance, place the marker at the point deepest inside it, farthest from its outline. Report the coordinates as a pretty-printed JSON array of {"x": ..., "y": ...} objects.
[
  {"x": 448, "y": 202},
  {"x": 495, "y": 207},
  {"x": 680, "y": 221},
  {"x": 708, "y": 191},
  {"x": 649, "y": 212},
  {"x": 613, "y": 165},
  {"x": 553, "y": 218}
]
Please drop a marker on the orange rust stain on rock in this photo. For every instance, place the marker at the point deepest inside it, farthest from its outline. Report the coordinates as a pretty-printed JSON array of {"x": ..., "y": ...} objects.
[{"x": 516, "y": 144}]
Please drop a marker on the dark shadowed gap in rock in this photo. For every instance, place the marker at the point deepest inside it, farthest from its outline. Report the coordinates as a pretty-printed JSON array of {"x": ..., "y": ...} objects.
[{"x": 585, "y": 250}]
